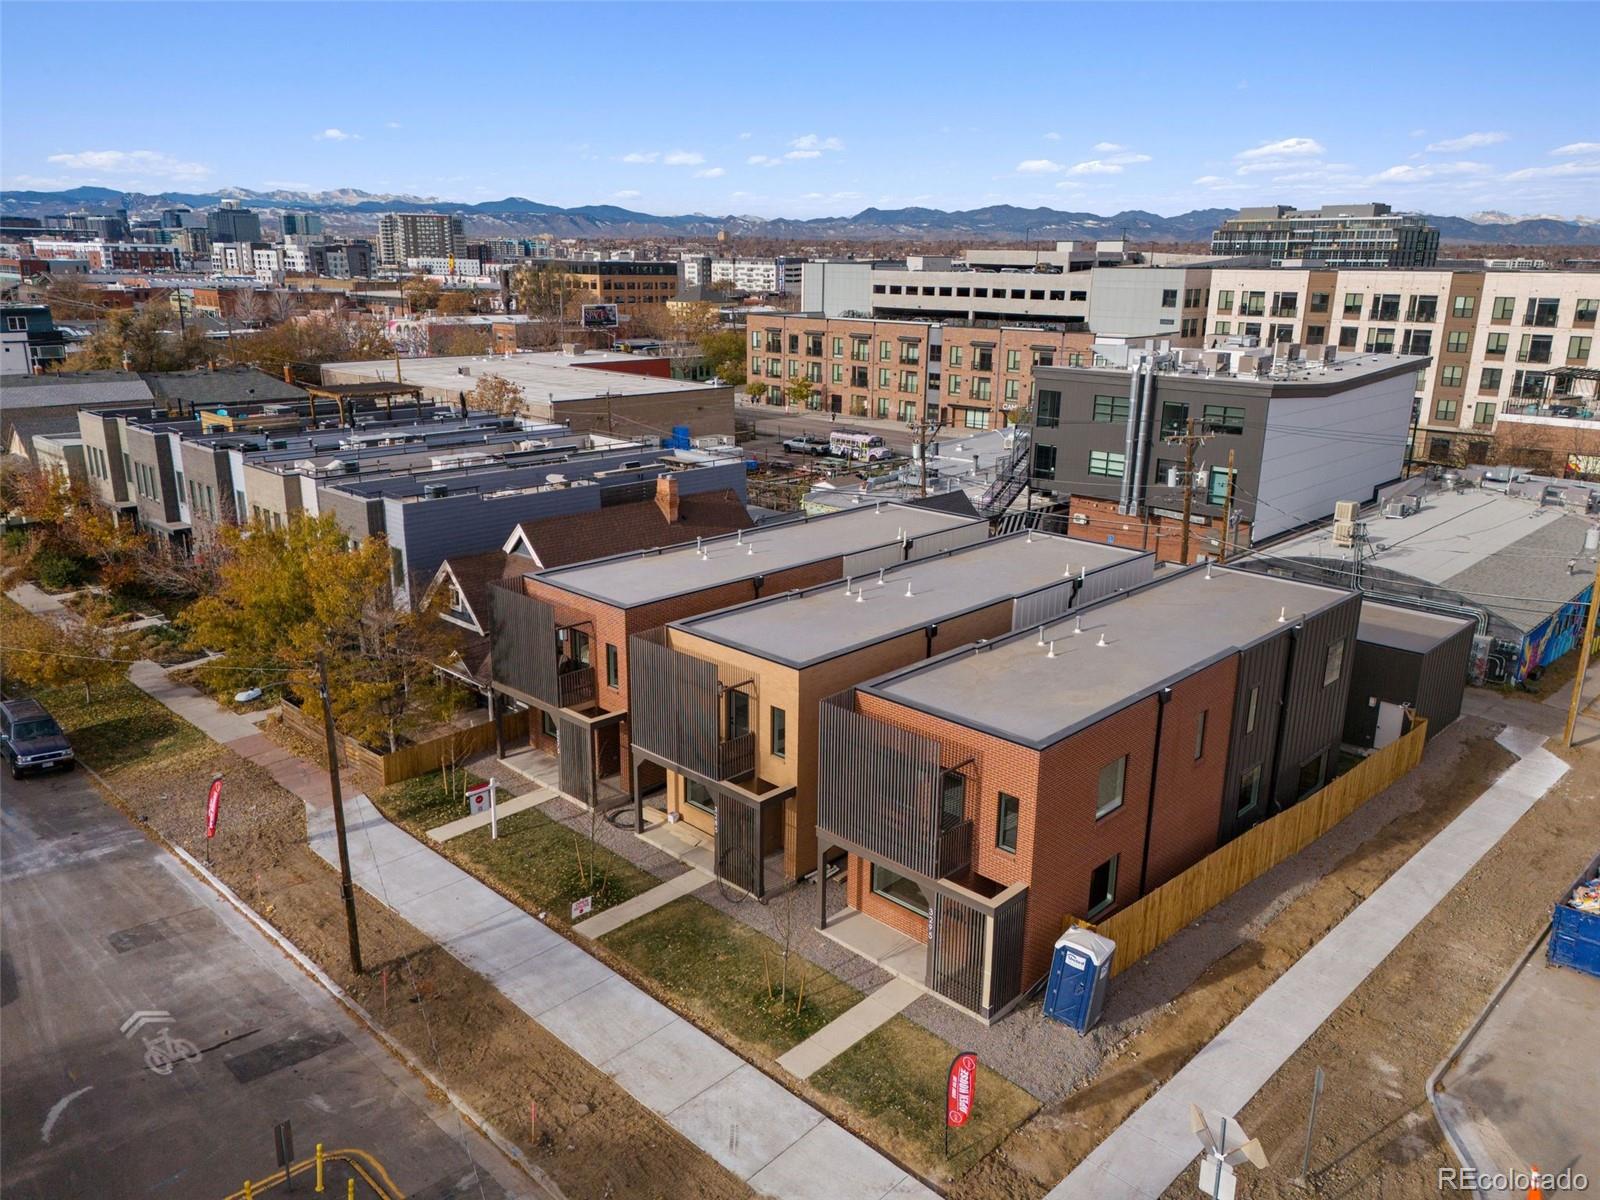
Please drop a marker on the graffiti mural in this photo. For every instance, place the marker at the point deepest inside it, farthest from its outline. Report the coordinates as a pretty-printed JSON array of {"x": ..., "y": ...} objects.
[{"x": 1555, "y": 635}]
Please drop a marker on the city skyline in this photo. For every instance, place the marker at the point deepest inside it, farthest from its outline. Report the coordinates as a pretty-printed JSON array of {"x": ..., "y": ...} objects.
[{"x": 631, "y": 126}]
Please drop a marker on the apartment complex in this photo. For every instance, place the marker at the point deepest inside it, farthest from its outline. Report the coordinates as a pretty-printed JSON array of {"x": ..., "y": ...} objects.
[
  {"x": 1335, "y": 235},
  {"x": 632, "y": 286},
  {"x": 418, "y": 235},
  {"x": 297, "y": 224},
  {"x": 232, "y": 223},
  {"x": 984, "y": 797},
  {"x": 562, "y": 640},
  {"x": 727, "y": 703},
  {"x": 1303, "y": 433},
  {"x": 767, "y": 275},
  {"x": 969, "y": 376},
  {"x": 1500, "y": 340}
]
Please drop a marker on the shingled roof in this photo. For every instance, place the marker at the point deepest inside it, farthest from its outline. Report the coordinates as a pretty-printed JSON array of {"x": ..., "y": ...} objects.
[{"x": 622, "y": 528}]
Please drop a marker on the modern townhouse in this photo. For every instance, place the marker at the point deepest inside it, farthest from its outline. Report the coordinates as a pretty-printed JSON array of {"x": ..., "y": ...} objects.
[
  {"x": 562, "y": 640},
  {"x": 727, "y": 703},
  {"x": 983, "y": 798}
]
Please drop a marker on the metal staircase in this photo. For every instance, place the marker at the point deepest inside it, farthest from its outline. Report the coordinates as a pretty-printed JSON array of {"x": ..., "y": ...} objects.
[{"x": 1010, "y": 477}]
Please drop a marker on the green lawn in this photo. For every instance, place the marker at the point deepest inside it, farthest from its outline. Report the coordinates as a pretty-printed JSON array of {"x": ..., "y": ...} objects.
[
  {"x": 423, "y": 803},
  {"x": 725, "y": 972},
  {"x": 894, "y": 1080}
]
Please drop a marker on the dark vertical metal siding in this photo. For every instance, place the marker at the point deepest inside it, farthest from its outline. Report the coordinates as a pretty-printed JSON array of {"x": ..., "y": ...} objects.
[
  {"x": 1385, "y": 672},
  {"x": 1260, "y": 666},
  {"x": 523, "y": 631},
  {"x": 575, "y": 757},
  {"x": 1314, "y": 714},
  {"x": 1005, "y": 961},
  {"x": 878, "y": 786},
  {"x": 1444, "y": 679},
  {"x": 672, "y": 703},
  {"x": 955, "y": 955},
  {"x": 739, "y": 843}
]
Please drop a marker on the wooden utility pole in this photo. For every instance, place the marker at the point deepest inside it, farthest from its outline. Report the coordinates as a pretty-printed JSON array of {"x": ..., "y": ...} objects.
[
  {"x": 346, "y": 887},
  {"x": 1190, "y": 440},
  {"x": 924, "y": 432},
  {"x": 1583, "y": 657},
  {"x": 1227, "y": 516}
]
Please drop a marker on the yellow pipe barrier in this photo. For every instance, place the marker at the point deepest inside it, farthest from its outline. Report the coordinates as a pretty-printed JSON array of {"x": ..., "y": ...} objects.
[{"x": 319, "y": 1166}]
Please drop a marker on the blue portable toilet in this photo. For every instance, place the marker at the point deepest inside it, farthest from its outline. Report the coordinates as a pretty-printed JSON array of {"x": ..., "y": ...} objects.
[{"x": 1079, "y": 970}]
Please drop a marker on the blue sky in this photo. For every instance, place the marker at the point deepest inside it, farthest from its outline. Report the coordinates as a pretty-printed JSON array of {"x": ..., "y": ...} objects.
[{"x": 815, "y": 109}]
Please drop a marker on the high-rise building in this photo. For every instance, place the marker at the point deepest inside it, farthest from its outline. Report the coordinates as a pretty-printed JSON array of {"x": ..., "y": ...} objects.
[
  {"x": 231, "y": 223},
  {"x": 417, "y": 235},
  {"x": 1335, "y": 235},
  {"x": 302, "y": 224}
]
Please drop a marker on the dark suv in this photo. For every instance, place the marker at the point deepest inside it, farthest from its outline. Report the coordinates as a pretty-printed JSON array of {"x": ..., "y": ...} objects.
[{"x": 31, "y": 740}]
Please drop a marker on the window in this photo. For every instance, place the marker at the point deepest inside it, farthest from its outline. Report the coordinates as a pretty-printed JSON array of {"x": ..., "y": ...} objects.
[
  {"x": 1535, "y": 347},
  {"x": 1169, "y": 298},
  {"x": 1333, "y": 665},
  {"x": 1578, "y": 348},
  {"x": 1223, "y": 328},
  {"x": 981, "y": 389},
  {"x": 1310, "y": 778},
  {"x": 697, "y": 795},
  {"x": 1217, "y": 493},
  {"x": 1222, "y": 418},
  {"x": 910, "y": 352},
  {"x": 1505, "y": 308},
  {"x": 1200, "y": 735},
  {"x": 1047, "y": 414},
  {"x": 1444, "y": 410},
  {"x": 1111, "y": 408},
  {"x": 1106, "y": 462},
  {"x": 1005, "y": 832},
  {"x": 1489, "y": 380},
  {"x": 1044, "y": 462},
  {"x": 1319, "y": 302},
  {"x": 1013, "y": 360},
  {"x": 1542, "y": 312},
  {"x": 1249, "y": 791},
  {"x": 885, "y": 351},
  {"x": 1423, "y": 308},
  {"x": 1011, "y": 390},
  {"x": 952, "y": 799},
  {"x": 548, "y": 724},
  {"x": 1352, "y": 304},
  {"x": 778, "y": 731},
  {"x": 612, "y": 673},
  {"x": 1250, "y": 710},
  {"x": 1457, "y": 341},
  {"x": 1483, "y": 412},
  {"x": 738, "y": 707},
  {"x": 837, "y": 373},
  {"x": 1496, "y": 344},
  {"x": 1224, "y": 302},
  {"x": 897, "y": 889},
  {"x": 1450, "y": 376},
  {"x": 955, "y": 356},
  {"x": 16, "y": 324},
  {"x": 1462, "y": 306},
  {"x": 952, "y": 385},
  {"x": 883, "y": 377},
  {"x": 1348, "y": 336},
  {"x": 1112, "y": 778},
  {"x": 1103, "y": 886},
  {"x": 838, "y": 347}
]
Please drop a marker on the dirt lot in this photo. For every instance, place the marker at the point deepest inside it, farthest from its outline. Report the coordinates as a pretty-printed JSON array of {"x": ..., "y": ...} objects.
[
  {"x": 1376, "y": 1135},
  {"x": 594, "y": 1140},
  {"x": 1039, "y": 1154}
]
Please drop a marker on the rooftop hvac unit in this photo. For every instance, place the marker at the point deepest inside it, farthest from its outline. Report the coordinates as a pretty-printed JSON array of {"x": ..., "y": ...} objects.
[
  {"x": 1395, "y": 509},
  {"x": 1344, "y": 534},
  {"x": 435, "y": 491},
  {"x": 1330, "y": 352},
  {"x": 1345, "y": 510}
]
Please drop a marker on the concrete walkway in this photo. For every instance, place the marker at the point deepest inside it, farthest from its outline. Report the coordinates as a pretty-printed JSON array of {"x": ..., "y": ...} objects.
[
  {"x": 37, "y": 601},
  {"x": 739, "y": 1116},
  {"x": 1154, "y": 1146},
  {"x": 646, "y": 902},
  {"x": 849, "y": 1027},
  {"x": 502, "y": 809}
]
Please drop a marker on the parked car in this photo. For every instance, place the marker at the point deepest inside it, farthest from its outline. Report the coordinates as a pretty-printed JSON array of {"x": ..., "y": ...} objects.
[
  {"x": 31, "y": 740},
  {"x": 806, "y": 443}
]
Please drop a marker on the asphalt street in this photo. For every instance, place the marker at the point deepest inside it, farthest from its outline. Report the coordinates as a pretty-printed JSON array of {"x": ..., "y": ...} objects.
[{"x": 101, "y": 925}]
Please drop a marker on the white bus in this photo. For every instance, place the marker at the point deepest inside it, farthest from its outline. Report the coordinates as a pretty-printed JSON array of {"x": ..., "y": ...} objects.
[{"x": 859, "y": 447}]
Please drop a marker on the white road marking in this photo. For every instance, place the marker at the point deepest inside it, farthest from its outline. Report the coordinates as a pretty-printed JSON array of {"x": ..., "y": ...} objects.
[{"x": 55, "y": 1112}]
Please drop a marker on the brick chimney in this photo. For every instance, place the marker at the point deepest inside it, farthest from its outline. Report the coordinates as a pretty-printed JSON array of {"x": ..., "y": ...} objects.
[{"x": 667, "y": 496}]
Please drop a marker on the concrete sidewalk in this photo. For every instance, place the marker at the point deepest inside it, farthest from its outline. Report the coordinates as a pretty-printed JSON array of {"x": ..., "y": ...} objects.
[
  {"x": 849, "y": 1027},
  {"x": 1154, "y": 1146},
  {"x": 739, "y": 1116}
]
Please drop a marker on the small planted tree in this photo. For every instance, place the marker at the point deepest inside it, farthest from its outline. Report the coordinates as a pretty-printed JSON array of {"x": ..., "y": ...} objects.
[{"x": 496, "y": 395}]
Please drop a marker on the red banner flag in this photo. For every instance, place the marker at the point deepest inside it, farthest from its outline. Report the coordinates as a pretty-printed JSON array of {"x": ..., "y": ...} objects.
[
  {"x": 963, "y": 1082},
  {"x": 213, "y": 806}
]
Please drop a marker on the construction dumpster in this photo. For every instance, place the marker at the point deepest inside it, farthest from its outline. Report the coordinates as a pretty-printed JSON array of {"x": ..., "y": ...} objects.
[{"x": 1575, "y": 925}]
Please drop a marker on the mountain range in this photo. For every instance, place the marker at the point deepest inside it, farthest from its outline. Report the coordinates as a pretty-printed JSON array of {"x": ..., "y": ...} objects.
[{"x": 351, "y": 211}]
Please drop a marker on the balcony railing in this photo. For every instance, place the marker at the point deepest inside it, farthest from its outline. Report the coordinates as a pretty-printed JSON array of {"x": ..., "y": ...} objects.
[
  {"x": 1284, "y": 310},
  {"x": 1385, "y": 312},
  {"x": 576, "y": 685},
  {"x": 1541, "y": 319},
  {"x": 736, "y": 756},
  {"x": 955, "y": 849},
  {"x": 1535, "y": 355}
]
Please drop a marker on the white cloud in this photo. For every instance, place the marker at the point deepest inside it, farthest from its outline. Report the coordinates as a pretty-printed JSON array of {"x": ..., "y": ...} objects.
[
  {"x": 626, "y": 194},
  {"x": 1096, "y": 166},
  {"x": 1293, "y": 147},
  {"x": 1571, "y": 149},
  {"x": 811, "y": 141},
  {"x": 745, "y": 137},
  {"x": 1419, "y": 133},
  {"x": 1211, "y": 181},
  {"x": 640, "y": 156},
  {"x": 1070, "y": 185},
  {"x": 1107, "y": 147},
  {"x": 1573, "y": 169},
  {"x": 1052, "y": 137},
  {"x": 1467, "y": 141},
  {"x": 132, "y": 162},
  {"x": 393, "y": 125},
  {"x": 683, "y": 158},
  {"x": 1421, "y": 172},
  {"x": 1038, "y": 166},
  {"x": 337, "y": 135},
  {"x": 763, "y": 160},
  {"x": 804, "y": 154},
  {"x": 710, "y": 173}
]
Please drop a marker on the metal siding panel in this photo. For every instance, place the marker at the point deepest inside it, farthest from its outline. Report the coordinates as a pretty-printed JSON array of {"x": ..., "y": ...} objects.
[
  {"x": 738, "y": 847},
  {"x": 575, "y": 757},
  {"x": 931, "y": 544},
  {"x": 1260, "y": 666},
  {"x": 1005, "y": 959},
  {"x": 876, "y": 559},
  {"x": 878, "y": 786},
  {"x": 672, "y": 701},
  {"x": 1443, "y": 680},
  {"x": 1314, "y": 714},
  {"x": 955, "y": 954},
  {"x": 523, "y": 634},
  {"x": 1042, "y": 607},
  {"x": 1386, "y": 672}
]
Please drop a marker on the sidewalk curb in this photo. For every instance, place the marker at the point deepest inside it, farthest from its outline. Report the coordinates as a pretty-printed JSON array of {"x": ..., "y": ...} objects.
[{"x": 321, "y": 977}]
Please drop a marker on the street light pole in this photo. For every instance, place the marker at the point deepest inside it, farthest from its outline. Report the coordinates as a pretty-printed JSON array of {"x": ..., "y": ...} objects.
[{"x": 346, "y": 888}]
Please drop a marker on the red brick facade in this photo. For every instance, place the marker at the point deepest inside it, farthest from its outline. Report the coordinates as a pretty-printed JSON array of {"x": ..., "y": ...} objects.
[{"x": 1162, "y": 535}]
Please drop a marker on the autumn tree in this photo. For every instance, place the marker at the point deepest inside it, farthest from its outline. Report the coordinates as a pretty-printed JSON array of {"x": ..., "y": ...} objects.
[
  {"x": 90, "y": 649},
  {"x": 141, "y": 339},
  {"x": 71, "y": 298},
  {"x": 457, "y": 303},
  {"x": 288, "y": 595},
  {"x": 758, "y": 391},
  {"x": 549, "y": 296},
  {"x": 460, "y": 341},
  {"x": 798, "y": 391},
  {"x": 304, "y": 343},
  {"x": 497, "y": 395},
  {"x": 723, "y": 352},
  {"x": 422, "y": 294}
]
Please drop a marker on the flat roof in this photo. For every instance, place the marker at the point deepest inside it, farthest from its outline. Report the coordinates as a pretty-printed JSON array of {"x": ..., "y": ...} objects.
[
  {"x": 629, "y": 580},
  {"x": 548, "y": 378},
  {"x": 1152, "y": 637},
  {"x": 804, "y": 627},
  {"x": 1406, "y": 628},
  {"x": 1344, "y": 370},
  {"x": 1507, "y": 554}
]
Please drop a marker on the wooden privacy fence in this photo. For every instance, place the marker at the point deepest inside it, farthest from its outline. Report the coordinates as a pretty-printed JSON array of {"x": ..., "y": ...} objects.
[
  {"x": 407, "y": 762},
  {"x": 1155, "y": 917}
]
